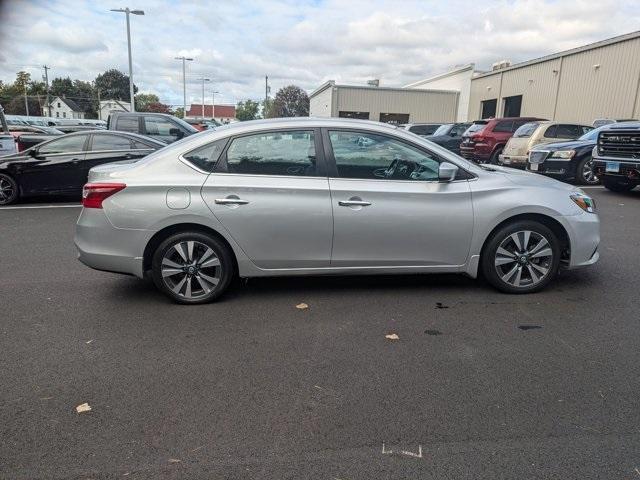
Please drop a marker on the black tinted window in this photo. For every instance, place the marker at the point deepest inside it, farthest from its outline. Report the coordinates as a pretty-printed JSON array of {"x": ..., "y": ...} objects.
[
  {"x": 551, "y": 132},
  {"x": 161, "y": 127},
  {"x": 503, "y": 127},
  {"x": 137, "y": 144},
  {"x": 72, "y": 143},
  {"x": 206, "y": 157},
  {"x": 423, "y": 129},
  {"x": 569, "y": 131},
  {"x": 110, "y": 142},
  {"x": 127, "y": 124},
  {"x": 369, "y": 155},
  {"x": 274, "y": 153}
]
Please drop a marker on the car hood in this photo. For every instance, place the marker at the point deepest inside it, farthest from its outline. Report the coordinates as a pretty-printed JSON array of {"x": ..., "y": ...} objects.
[
  {"x": 572, "y": 144},
  {"x": 528, "y": 179}
]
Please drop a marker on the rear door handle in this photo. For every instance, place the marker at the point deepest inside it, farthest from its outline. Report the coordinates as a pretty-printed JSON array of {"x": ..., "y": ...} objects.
[
  {"x": 353, "y": 203},
  {"x": 231, "y": 201}
]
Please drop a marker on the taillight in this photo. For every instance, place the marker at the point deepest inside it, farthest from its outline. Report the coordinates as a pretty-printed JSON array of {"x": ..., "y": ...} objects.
[{"x": 93, "y": 194}]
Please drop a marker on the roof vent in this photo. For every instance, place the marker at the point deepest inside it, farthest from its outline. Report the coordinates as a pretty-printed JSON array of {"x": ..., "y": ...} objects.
[
  {"x": 500, "y": 65},
  {"x": 374, "y": 83}
]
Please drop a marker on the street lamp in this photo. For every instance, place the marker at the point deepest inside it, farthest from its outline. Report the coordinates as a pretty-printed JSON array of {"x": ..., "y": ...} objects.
[
  {"x": 127, "y": 11},
  {"x": 184, "y": 83},
  {"x": 213, "y": 104},
  {"x": 204, "y": 80}
]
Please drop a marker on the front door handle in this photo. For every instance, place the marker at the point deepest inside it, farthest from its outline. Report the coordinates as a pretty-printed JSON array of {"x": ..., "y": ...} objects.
[
  {"x": 353, "y": 203},
  {"x": 231, "y": 201}
]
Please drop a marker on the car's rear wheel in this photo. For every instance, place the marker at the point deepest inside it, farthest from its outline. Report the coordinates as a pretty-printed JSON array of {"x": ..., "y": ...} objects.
[
  {"x": 8, "y": 189},
  {"x": 495, "y": 157},
  {"x": 192, "y": 267},
  {"x": 618, "y": 184},
  {"x": 585, "y": 174},
  {"x": 521, "y": 257}
]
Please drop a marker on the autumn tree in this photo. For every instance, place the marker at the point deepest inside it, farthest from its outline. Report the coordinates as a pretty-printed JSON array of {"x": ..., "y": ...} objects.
[{"x": 291, "y": 101}]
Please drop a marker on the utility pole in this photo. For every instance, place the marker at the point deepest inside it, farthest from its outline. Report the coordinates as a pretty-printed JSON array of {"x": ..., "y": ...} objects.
[
  {"x": 203, "y": 80},
  {"x": 99, "y": 109},
  {"x": 26, "y": 103},
  {"x": 127, "y": 11},
  {"x": 46, "y": 80},
  {"x": 184, "y": 83}
]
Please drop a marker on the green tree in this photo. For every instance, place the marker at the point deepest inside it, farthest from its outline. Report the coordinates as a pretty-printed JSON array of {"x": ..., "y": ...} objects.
[
  {"x": 143, "y": 100},
  {"x": 114, "y": 85},
  {"x": 179, "y": 112},
  {"x": 291, "y": 101},
  {"x": 268, "y": 109},
  {"x": 247, "y": 110},
  {"x": 81, "y": 92}
]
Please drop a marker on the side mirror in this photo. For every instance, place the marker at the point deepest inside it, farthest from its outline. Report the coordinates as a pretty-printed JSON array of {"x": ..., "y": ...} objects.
[
  {"x": 33, "y": 152},
  {"x": 447, "y": 172}
]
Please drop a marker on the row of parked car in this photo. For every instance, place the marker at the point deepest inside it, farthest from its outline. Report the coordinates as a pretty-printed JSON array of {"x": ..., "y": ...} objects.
[{"x": 556, "y": 149}]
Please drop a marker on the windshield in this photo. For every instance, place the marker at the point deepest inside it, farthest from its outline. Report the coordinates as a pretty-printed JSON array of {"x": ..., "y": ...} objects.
[
  {"x": 185, "y": 125},
  {"x": 526, "y": 130},
  {"x": 593, "y": 134},
  {"x": 443, "y": 130}
]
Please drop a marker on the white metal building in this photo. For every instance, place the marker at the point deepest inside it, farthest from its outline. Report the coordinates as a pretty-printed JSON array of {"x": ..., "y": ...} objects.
[{"x": 389, "y": 105}]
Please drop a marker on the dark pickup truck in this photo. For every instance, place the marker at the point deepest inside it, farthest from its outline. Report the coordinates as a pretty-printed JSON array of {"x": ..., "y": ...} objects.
[
  {"x": 616, "y": 156},
  {"x": 158, "y": 126}
]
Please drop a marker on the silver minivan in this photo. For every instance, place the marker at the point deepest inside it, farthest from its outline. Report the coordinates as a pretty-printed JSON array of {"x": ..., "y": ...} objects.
[{"x": 327, "y": 196}]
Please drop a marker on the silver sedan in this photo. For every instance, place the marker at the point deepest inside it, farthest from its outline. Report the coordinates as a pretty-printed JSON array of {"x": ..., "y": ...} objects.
[{"x": 327, "y": 196}]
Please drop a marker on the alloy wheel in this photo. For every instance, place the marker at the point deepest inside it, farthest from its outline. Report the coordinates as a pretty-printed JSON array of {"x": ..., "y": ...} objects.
[
  {"x": 523, "y": 259},
  {"x": 7, "y": 190},
  {"x": 191, "y": 269}
]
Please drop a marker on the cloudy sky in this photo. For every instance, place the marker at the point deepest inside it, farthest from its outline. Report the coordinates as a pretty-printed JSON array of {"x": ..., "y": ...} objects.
[{"x": 303, "y": 42}]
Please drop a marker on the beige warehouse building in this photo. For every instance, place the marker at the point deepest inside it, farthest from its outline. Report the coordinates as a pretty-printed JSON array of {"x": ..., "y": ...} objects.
[
  {"x": 599, "y": 80},
  {"x": 389, "y": 105}
]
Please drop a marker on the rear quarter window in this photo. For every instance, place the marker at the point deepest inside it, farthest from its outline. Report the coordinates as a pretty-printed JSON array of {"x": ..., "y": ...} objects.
[{"x": 206, "y": 157}]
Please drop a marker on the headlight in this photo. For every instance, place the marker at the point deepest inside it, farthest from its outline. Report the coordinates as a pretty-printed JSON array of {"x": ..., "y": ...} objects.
[
  {"x": 585, "y": 202},
  {"x": 563, "y": 154}
]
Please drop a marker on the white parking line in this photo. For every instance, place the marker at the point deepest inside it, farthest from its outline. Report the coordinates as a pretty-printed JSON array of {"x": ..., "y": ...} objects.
[
  {"x": 27, "y": 207},
  {"x": 593, "y": 186}
]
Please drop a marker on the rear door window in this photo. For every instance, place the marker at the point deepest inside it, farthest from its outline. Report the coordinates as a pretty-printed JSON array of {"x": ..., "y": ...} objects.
[
  {"x": 128, "y": 124},
  {"x": 551, "y": 132},
  {"x": 110, "y": 142},
  {"x": 504, "y": 126},
  {"x": 291, "y": 153},
  {"x": 66, "y": 144},
  {"x": 569, "y": 131}
]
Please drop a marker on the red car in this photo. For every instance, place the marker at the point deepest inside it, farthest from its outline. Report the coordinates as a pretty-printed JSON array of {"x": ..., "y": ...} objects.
[{"x": 484, "y": 139}]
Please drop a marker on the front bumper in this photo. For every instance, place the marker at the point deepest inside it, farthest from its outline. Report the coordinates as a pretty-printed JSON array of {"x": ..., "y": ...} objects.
[
  {"x": 584, "y": 236},
  {"x": 617, "y": 167},
  {"x": 552, "y": 168},
  {"x": 104, "y": 247}
]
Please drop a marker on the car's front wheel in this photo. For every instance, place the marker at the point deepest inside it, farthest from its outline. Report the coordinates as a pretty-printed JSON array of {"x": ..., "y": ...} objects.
[
  {"x": 585, "y": 173},
  {"x": 521, "y": 257},
  {"x": 192, "y": 267},
  {"x": 8, "y": 189},
  {"x": 618, "y": 184}
]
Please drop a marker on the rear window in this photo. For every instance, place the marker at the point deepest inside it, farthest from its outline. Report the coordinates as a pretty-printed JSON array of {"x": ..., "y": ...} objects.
[
  {"x": 475, "y": 127},
  {"x": 526, "y": 130},
  {"x": 505, "y": 126},
  {"x": 128, "y": 124}
]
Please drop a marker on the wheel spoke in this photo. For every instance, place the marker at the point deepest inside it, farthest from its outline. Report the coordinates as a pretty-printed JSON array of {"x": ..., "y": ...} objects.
[
  {"x": 190, "y": 245},
  {"x": 539, "y": 246},
  {"x": 205, "y": 255},
  {"x": 203, "y": 284},
  {"x": 507, "y": 276},
  {"x": 547, "y": 252},
  {"x": 516, "y": 281},
  {"x": 170, "y": 263},
  {"x": 516, "y": 239},
  {"x": 179, "y": 247},
  {"x": 539, "y": 268},
  {"x": 187, "y": 291},
  {"x": 503, "y": 261},
  {"x": 535, "y": 278},
  {"x": 212, "y": 262},
  {"x": 211, "y": 280},
  {"x": 178, "y": 286},
  {"x": 169, "y": 272},
  {"x": 525, "y": 242}
]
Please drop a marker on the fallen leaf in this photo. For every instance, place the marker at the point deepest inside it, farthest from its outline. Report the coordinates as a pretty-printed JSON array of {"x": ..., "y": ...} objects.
[
  {"x": 88, "y": 341},
  {"x": 302, "y": 306},
  {"x": 392, "y": 336},
  {"x": 83, "y": 408},
  {"x": 174, "y": 460}
]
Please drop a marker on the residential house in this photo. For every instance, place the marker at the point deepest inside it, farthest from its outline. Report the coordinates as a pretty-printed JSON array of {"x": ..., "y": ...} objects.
[{"x": 62, "y": 107}]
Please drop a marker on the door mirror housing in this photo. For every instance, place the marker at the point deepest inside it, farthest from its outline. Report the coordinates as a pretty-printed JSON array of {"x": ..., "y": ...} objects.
[{"x": 447, "y": 172}]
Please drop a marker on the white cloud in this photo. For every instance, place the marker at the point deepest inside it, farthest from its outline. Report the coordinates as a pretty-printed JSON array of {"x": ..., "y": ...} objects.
[{"x": 300, "y": 42}]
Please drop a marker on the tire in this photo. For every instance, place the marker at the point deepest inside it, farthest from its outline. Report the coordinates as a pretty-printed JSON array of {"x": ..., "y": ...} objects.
[
  {"x": 9, "y": 192},
  {"x": 192, "y": 267},
  {"x": 585, "y": 174},
  {"x": 526, "y": 268},
  {"x": 618, "y": 184},
  {"x": 495, "y": 157}
]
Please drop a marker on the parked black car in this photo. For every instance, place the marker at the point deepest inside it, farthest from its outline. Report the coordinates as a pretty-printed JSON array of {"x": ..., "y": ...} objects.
[
  {"x": 159, "y": 126},
  {"x": 449, "y": 135},
  {"x": 78, "y": 128},
  {"x": 568, "y": 161},
  {"x": 60, "y": 166}
]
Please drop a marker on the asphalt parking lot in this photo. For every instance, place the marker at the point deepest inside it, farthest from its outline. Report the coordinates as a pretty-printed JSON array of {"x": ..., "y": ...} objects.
[{"x": 478, "y": 385}]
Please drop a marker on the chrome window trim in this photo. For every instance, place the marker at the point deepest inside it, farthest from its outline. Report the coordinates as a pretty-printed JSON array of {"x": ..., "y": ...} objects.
[{"x": 81, "y": 152}]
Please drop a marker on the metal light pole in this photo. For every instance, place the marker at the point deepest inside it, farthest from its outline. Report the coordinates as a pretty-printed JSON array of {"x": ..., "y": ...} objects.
[
  {"x": 213, "y": 104},
  {"x": 204, "y": 80},
  {"x": 127, "y": 11},
  {"x": 184, "y": 83}
]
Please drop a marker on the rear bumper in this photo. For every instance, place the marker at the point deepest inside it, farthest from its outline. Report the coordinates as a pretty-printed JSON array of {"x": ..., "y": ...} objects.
[
  {"x": 514, "y": 161},
  {"x": 104, "y": 247}
]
